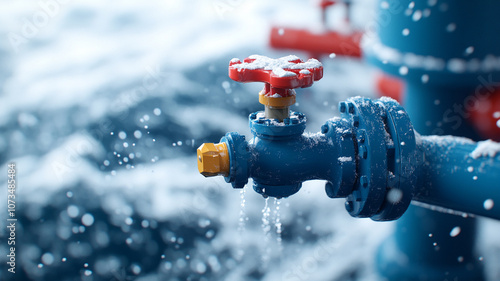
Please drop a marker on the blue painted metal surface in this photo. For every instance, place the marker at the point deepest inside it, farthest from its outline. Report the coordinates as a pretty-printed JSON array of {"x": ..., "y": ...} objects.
[
  {"x": 371, "y": 156},
  {"x": 445, "y": 51}
]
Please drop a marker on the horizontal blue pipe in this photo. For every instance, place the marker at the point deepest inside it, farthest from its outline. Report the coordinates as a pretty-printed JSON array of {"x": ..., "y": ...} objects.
[{"x": 453, "y": 177}]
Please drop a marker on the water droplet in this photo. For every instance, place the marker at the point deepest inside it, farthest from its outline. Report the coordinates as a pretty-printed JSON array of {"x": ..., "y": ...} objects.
[
  {"x": 209, "y": 234},
  {"x": 47, "y": 258},
  {"x": 64, "y": 259},
  {"x": 417, "y": 15},
  {"x": 125, "y": 144},
  {"x": 87, "y": 219},
  {"x": 200, "y": 267},
  {"x": 146, "y": 117},
  {"x": 474, "y": 177},
  {"x": 470, "y": 169},
  {"x": 394, "y": 195},
  {"x": 460, "y": 259},
  {"x": 488, "y": 204},
  {"x": 69, "y": 194},
  {"x": 73, "y": 211},
  {"x": 137, "y": 134},
  {"x": 40, "y": 265},
  {"x": 203, "y": 222},
  {"x": 455, "y": 231},
  {"x": 122, "y": 135},
  {"x": 451, "y": 27},
  {"x": 406, "y": 32},
  {"x": 332, "y": 55},
  {"x": 106, "y": 163},
  {"x": 88, "y": 272},
  {"x": 167, "y": 265},
  {"x": 129, "y": 221},
  {"x": 281, "y": 31},
  {"x": 425, "y": 78},
  {"x": 469, "y": 50},
  {"x": 403, "y": 70},
  {"x": 157, "y": 111},
  {"x": 430, "y": 235}
]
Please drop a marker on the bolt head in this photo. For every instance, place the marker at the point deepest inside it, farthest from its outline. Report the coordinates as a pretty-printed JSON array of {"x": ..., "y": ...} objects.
[
  {"x": 355, "y": 121},
  {"x": 324, "y": 129},
  {"x": 363, "y": 180},
  {"x": 342, "y": 107},
  {"x": 350, "y": 107}
]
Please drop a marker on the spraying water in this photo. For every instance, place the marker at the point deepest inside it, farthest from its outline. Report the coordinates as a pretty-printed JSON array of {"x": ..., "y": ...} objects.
[
  {"x": 266, "y": 228},
  {"x": 241, "y": 225},
  {"x": 277, "y": 223}
]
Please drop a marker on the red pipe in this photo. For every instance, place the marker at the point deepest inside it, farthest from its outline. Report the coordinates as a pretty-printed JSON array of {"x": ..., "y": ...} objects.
[{"x": 317, "y": 43}]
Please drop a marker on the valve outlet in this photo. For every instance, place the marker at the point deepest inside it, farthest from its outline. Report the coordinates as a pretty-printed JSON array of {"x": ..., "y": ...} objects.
[{"x": 213, "y": 159}]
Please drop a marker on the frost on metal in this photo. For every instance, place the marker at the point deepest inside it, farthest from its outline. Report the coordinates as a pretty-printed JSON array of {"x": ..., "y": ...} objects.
[
  {"x": 345, "y": 159},
  {"x": 487, "y": 148},
  {"x": 456, "y": 65}
]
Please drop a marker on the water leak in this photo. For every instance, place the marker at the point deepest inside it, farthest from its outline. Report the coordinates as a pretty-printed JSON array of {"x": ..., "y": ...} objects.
[
  {"x": 277, "y": 223},
  {"x": 241, "y": 225},
  {"x": 266, "y": 228}
]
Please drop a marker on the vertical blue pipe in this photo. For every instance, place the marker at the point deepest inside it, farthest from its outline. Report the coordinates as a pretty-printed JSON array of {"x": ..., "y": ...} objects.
[
  {"x": 422, "y": 236},
  {"x": 449, "y": 34}
]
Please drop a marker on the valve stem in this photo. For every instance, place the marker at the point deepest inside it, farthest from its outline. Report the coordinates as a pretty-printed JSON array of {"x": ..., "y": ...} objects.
[{"x": 279, "y": 113}]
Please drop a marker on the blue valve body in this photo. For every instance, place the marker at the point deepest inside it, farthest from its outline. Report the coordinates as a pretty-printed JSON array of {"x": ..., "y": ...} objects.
[{"x": 371, "y": 156}]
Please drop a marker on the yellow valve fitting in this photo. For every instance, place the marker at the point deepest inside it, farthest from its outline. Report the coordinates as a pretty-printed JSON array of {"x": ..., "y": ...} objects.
[
  {"x": 213, "y": 159},
  {"x": 276, "y": 102}
]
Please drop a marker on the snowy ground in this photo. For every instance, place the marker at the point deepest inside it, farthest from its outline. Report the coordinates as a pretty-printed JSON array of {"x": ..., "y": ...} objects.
[{"x": 103, "y": 107}]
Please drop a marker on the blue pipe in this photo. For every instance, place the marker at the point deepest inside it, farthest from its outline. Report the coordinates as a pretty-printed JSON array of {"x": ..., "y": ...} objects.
[
  {"x": 470, "y": 187},
  {"x": 371, "y": 156},
  {"x": 442, "y": 50}
]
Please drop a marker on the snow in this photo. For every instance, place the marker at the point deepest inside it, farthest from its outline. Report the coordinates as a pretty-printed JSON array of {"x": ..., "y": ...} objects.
[
  {"x": 81, "y": 87},
  {"x": 278, "y": 71},
  {"x": 278, "y": 66},
  {"x": 372, "y": 45},
  {"x": 487, "y": 148},
  {"x": 345, "y": 159},
  {"x": 447, "y": 140}
]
